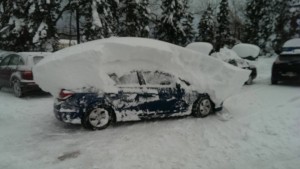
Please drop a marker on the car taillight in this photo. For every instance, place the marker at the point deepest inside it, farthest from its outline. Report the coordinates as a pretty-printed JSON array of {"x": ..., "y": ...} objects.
[
  {"x": 27, "y": 75},
  {"x": 64, "y": 94}
]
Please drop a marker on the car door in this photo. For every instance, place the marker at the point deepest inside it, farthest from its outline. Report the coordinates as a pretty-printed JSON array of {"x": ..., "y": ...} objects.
[
  {"x": 5, "y": 71},
  {"x": 130, "y": 98},
  {"x": 170, "y": 94}
]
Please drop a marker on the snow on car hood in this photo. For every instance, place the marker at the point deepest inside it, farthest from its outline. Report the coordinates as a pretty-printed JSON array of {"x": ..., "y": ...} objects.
[{"x": 87, "y": 65}]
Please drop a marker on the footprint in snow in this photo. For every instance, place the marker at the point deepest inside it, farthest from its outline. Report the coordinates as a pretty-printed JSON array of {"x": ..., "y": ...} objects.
[{"x": 68, "y": 155}]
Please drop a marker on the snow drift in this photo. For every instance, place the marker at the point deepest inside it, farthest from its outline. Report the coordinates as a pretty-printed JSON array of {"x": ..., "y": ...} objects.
[{"x": 88, "y": 65}]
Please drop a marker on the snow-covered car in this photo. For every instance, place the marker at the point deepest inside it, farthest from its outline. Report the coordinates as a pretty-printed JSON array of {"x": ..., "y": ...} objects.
[
  {"x": 232, "y": 58},
  {"x": 125, "y": 79},
  {"x": 247, "y": 51},
  {"x": 202, "y": 47},
  {"x": 287, "y": 64},
  {"x": 16, "y": 71}
]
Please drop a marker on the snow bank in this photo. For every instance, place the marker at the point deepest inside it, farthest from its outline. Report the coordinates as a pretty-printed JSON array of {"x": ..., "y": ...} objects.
[
  {"x": 87, "y": 65},
  {"x": 202, "y": 47},
  {"x": 245, "y": 50}
]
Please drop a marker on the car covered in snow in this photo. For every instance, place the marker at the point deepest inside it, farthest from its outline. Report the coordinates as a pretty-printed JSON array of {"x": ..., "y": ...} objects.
[
  {"x": 16, "y": 71},
  {"x": 226, "y": 55},
  {"x": 129, "y": 79},
  {"x": 247, "y": 51},
  {"x": 287, "y": 64}
]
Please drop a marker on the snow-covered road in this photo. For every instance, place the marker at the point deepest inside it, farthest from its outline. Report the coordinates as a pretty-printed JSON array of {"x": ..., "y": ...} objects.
[{"x": 263, "y": 131}]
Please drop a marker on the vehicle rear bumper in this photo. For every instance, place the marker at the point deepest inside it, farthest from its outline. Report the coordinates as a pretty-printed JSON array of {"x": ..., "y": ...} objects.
[
  {"x": 66, "y": 114},
  {"x": 286, "y": 72}
]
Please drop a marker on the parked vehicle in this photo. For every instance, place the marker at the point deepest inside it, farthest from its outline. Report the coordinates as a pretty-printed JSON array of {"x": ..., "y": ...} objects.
[
  {"x": 229, "y": 56},
  {"x": 287, "y": 65},
  {"x": 128, "y": 79},
  {"x": 16, "y": 71},
  {"x": 141, "y": 95}
]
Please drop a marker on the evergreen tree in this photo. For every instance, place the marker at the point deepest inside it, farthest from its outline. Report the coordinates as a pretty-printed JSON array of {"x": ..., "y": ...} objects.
[
  {"x": 42, "y": 25},
  {"x": 135, "y": 18},
  {"x": 223, "y": 36},
  {"x": 100, "y": 21},
  {"x": 285, "y": 27},
  {"x": 28, "y": 25},
  {"x": 175, "y": 25},
  {"x": 206, "y": 27}
]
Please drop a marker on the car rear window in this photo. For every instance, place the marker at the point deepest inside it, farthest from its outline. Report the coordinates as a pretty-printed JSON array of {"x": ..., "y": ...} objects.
[{"x": 37, "y": 59}]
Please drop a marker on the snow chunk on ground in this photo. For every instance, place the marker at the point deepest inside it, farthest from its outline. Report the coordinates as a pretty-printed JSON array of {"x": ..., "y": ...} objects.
[
  {"x": 88, "y": 65},
  {"x": 245, "y": 50},
  {"x": 202, "y": 47}
]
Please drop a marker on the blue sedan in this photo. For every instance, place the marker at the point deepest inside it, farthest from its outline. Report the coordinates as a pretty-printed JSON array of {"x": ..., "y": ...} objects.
[{"x": 140, "y": 95}]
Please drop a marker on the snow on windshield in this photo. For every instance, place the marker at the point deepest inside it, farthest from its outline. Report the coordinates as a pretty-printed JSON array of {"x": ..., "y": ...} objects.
[
  {"x": 230, "y": 56},
  {"x": 88, "y": 65}
]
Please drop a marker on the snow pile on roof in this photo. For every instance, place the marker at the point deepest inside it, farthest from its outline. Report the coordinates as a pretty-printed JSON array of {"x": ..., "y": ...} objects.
[
  {"x": 202, "y": 47},
  {"x": 292, "y": 43},
  {"x": 87, "y": 65},
  {"x": 228, "y": 55},
  {"x": 246, "y": 50},
  {"x": 291, "y": 47}
]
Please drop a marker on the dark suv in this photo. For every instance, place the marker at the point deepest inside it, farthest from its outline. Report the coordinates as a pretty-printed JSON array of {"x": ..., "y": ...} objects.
[
  {"x": 287, "y": 64},
  {"x": 16, "y": 72}
]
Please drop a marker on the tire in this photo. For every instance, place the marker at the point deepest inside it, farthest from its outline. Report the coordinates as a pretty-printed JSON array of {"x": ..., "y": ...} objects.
[
  {"x": 97, "y": 118},
  {"x": 16, "y": 85},
  {"x": 202, "y": 107},
  {"x": 273, "y": 81},
  {"x": 249, "y": 81}
]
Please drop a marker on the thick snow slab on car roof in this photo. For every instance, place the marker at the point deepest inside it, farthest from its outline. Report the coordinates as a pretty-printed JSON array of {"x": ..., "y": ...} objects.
[
  {"x": 245, "y": 50},
  {"x": 87, "y": 65},
  {"x": 202, "y": 47},
  {"x": 292, "y": 43}
]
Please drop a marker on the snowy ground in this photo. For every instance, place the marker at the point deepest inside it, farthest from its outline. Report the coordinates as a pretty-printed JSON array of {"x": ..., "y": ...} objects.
[{"x": 263, "y": 132}]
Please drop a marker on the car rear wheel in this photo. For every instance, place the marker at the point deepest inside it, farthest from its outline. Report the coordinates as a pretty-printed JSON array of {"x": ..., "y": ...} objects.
[
  {"x": 202, "y": 107},
  {"x": 97, "y": 118},
  {"x": 17, "y": 88}
]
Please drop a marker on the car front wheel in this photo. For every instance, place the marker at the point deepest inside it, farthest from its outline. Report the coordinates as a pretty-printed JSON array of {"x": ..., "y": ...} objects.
[
  {"x": 17, "y": 88},
  {"x": 97, "y": 118},
  {"x": 202, "y": 107}
]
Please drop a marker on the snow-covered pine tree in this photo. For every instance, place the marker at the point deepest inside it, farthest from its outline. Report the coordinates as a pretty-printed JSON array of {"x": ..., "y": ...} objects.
[
  {"x": 135, "y": 18},
  {"x": 223, "y": 36},
  {"x": 42, "y": 18},
  {"x": 100, "y": 21},
  {"x": 206, "y": 27},
  {"x": 253, "y": 20},
  {"x": 175, "y": 25},
  {"x": 29, "y": 25},
  {"x": 285, "y": 28},
  {"x": 14, "y": 32}
]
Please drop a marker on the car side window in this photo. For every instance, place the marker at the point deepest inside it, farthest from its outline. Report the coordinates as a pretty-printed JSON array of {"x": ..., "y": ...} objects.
[
  {"x": 127, "y": 79},
  {"x": 16, "y": 60},
  {"x": 5, "y": 61},
  {"x": 158, "y": 78}
]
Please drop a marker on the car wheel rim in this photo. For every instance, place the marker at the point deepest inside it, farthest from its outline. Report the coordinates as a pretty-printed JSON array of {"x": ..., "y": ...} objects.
[
  {"x": 17, "y": 89},
  {"x": 99, "y": 117},
  {"x": 205, "y": 107}
]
